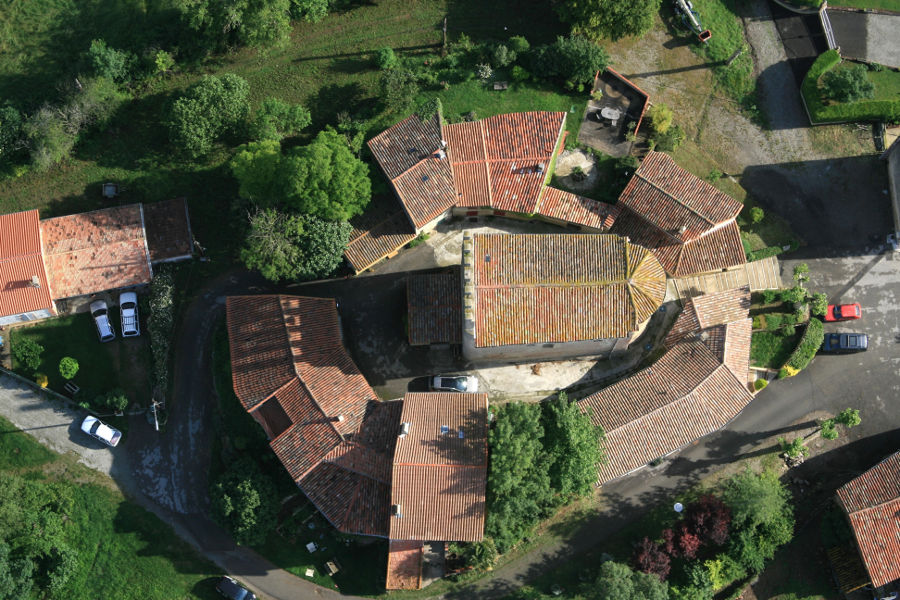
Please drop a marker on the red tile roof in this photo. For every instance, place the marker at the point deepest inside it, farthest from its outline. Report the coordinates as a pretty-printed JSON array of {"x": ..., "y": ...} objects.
[
  {"x": 673, "y": 199},
  {"x": 20, "y": 260},
  {"x": 168, "y": 230},
  {"x": 570, "y": 208},
  {"x": 426, "y": 190},
  {"x": 368, "y": 245},
  {"x": 434, "y": 304},
  {"x": 401, "y": 146},
  {"x": 709, "y": 310},
  {"x": 561, "y": 288},
  {"x": 404, "y": 570},
  {"x": 440, "y": 468},
  {"x": 96, "y": 251},
  {"x": 717, "y": 249},
  {"x": 683, "y": 396},
  {"x": 290, "y": 370},
  {"x": 872, "y": 503}
]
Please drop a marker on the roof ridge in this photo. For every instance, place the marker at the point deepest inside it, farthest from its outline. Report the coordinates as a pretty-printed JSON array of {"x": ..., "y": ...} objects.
[
  {"x": 628, "y": 272},
  {"x": 297, "y": 372},
  {"x": 672, "y": 196},
  {"x": 439, "y": 465},
  {"x": 868, "y": 509},
  {"x": 487, "y": 168}
]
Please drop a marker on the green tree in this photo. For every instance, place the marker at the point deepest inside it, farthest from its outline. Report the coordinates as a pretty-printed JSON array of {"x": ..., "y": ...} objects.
[
  {"x": 326, "y": 180},
  {"x": 207, "y": 111},
  {"x": 49, "y": 138},
  {"x": 671, "y": 140},
  {"x": 793, "y": 449},
  {"x": 386, "y": 59},
  {"x": 849, "y": 417},
  {"x": 68, "y": 367},
  {"x": 756, "y": 215},
  {"x": 848, "y": 83},
  {"x": 257, "y": 167},
  {"x": 611, "y": 19},
  {"x": 660, "y": 117},
  {"x": 115, "y": 65},
  {"x": 398, "y": 88},
  {"x": 15, "y": 575},
  {"x": 115, "y": 400},
  {"x": 573, "y": 448},
  {"x": 818, "y": 304},
  {"x": 573, "y": 59},
  {"x": 616, "y": 581},
  {"x": 311, "y": 11},
  {"x": 244, "y": 502},
  {"x": 294, "y": 247},
  {"x": 27, "y": 352},
  {"x": 219, "y": 25},
  {"x": 277, "y": 119},
  {"x": 10, "y": 131},
  {"x": 518, "y": 485},
  {"x": 518, "y": 44}
]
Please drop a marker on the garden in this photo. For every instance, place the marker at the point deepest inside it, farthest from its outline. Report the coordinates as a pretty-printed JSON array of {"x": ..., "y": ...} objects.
[{"x": 835, "y": 90}]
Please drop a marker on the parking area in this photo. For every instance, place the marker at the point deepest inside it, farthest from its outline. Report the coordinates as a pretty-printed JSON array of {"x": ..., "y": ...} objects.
[
  {"x": 871, "y": 37},
  {"x": 802, "y": 37}
]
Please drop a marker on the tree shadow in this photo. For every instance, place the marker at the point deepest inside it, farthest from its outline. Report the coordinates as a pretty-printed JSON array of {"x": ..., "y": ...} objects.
[{"x": 503, "y": 19}]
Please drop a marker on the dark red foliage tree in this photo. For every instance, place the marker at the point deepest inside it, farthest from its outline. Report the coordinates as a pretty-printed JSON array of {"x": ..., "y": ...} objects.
[
  {"x": 670, "y": 543},
  {"x": 688, "y": 543},
  {"x": 650, "y": 558},
  {"x": 708, "y": 518}
]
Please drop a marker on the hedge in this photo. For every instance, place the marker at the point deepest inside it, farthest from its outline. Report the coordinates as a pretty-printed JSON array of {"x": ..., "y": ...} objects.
[
  {"x": 862, "y": 110},
  {"x": 806, "y": 349}
]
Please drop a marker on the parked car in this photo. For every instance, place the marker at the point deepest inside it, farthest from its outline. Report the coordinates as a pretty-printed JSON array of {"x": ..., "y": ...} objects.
[
  {"x": 101, "y": 318},
  {"x": 454, "y": 383},
  {"x": 230, "y": 588},
  {"x": 844, "y": 343},
  {"x": 843, "y": 312},
  {"x": 128, "y": 308},
  {"x": 96, "y": 428}
]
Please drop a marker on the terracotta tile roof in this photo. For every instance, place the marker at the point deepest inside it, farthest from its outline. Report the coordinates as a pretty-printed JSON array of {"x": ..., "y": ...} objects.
[
  {"x": 406, "y": 143},
  {"x": 564, "y": 206},
  {"x": 473, "y": 184},
  {"x": 379, "y": 428},
  {"x": 465, "y": 142},
  {"x": 709, "y": 310},
  {"x": 717, "y": 249},
  {"x": 426, "y": 190},
  {"x": 561, "y": 288},
  {"x": 369, "y": 245},
  {"x": 439, "y": 475},
  {"x": 20, "y": 260},
  {"x": 168, "y": 230},
  {"x": 352, "y": 503},
  {"x": 434, "y": 304},
  {"x": 404, "y": 569},
  {"x": 96, "y": 251},
  {"x": 736, "y": 350},
  {"x": 515, "y": 187},
  {"x": 685, "y": 395},
  {"x": 522, "y": 136},
  {"x": 872, "y": 503},
  {"x": 672, "y": 199}
]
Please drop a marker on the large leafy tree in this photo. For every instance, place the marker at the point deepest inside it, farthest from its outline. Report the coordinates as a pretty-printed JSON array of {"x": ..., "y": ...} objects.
[
  {"x": 277, "y": 119},
  {"x": 848, "y": 83},
  {"x": 618, "y": 582},
  {"x": 208, "y": 110},
  {"x": 244, "y": 502},
  {"x": 323, "y": 179},
  {"x": 310, "y": 10},
  {"x": 610, "y": 19},
  {"x": 294, "y": 247},
  {"x": 573, "y": 447},
  {"x": 219, "y": 25},
  {"x": 518, "y": 490},
  {"x": 573, "y": 59}
]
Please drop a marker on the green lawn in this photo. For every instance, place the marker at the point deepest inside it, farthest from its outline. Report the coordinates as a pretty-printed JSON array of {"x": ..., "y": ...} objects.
[
  {"x": 720, "y": 17},
  {"x": 893, "y": 5},
  {"x": 887, "y": 84},
  {"x": 124, "y": 552},
  {"x": 770, "y": 350},
  {"x": 121, "y": 363}
]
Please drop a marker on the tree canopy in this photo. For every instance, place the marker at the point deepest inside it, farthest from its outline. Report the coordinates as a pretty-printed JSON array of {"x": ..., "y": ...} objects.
[
  {"x": 609, "y": 19},
  {"x": 573, "y": 448},
  {"x": 618, "y": 582},
  {"x": 573, "y": 59},
  {"x": 244, "y": 502},
  {"x": 219, "y": 25},
  {"x": 848, "y": 83},
  {"x": 294, "y": 247},
  {"x": 276, "y": 119},
  {"x": 210, "y": 109},
  {"x": 323, "y": 179}
]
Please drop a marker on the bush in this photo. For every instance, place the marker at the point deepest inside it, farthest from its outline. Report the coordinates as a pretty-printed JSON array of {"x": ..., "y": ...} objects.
[
  {"x": 276, "y": 119},
  {"x": 769, "y": 296},
  {"x": 818, "y": 304},
  {"x": 519, "y": 74},
  {"x": 10, "y": 131},
  {"x": 27, "y": 352},
  {"x": 159, "y": 325},
  {"x": 115, "y": 400},
  {"x": 209, "y": 110},
  {"x": 809, "y": 344},
  {"x": 574, "y": 60},
  {"x": 518, "y": 44},
  {"x": 773, "y": 321},
  {"x": 671, "y": 140},
  {"x": 848, "y": 84},
  {"x": 484, "y": 71},
  {"x": 68, "y": 367},
  {"x": 650, "y": 558},
  {"x": 163, "y": 62},
  {"x": 41, "y": 380},
  {"x": 386, "y": 59},
  {"x": 760, "y": 384},
  {"x": 501, "y": 56},
  {"x": 794, "y": 448},
  {"x": 115, "y": 65},
  {"x": 398, "y": 88},
  {"x": 863, "y": 110},
  {"x": 50, "y": 139},
  {"x": 756, "y": 215},
  {"x": 829, "y": 430},
  {"x": 788, "y": 329},
  {"x": 849, "y": 417},
  {"x": 660, "y": 118},
  {"x": 794, "y": 294}
]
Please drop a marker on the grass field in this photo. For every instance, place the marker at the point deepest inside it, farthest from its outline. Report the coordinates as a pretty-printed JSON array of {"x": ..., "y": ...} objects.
[
  {"x": 124, "y": 552},
  {"x": 892, "y": 5},
  {"x": 122, "y": 363}
]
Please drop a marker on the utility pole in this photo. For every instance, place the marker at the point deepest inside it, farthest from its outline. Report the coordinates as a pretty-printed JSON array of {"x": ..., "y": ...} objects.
[{"x": 444, "y": 45}]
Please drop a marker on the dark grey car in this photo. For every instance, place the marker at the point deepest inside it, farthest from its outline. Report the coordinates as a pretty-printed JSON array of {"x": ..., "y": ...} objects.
[
  {"x": 844, "y": 343},
  {"x": 231, "y": 589}
]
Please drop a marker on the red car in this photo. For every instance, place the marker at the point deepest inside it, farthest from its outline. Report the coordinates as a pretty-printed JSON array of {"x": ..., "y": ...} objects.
[{"x": 843, "y": 312}]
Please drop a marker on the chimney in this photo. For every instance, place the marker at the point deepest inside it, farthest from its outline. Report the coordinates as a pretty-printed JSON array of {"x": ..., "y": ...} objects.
[
  {"x": 682, "y": 229},
  {"x": 404, "y": 429},
  {"x": 35, "y": 282},
  {"x": 395, "y": 510},
  {"x": 337, "y": 419}
]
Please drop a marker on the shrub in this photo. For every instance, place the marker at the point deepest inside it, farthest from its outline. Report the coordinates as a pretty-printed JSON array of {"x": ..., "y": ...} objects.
[
  {"x": 386, "y": 59},
  {"x": 518, "y": 44},
  {"x": 27, "y": 352},
  {"x": 671, "y": 140},
  {"x": 41, "y": 379},
  {"x": 115, "y": 400},
  {"x": 794, "y": 448},
  {"x": 50, "y": 140},
  {"x": 484, "y": 71},
  {"x": 794, "y": 294},
  {"x": 760, "y": 384},
  {"x": 207, "y": 111},
  {"x": 688, "y": 543},
  {"x": 848, "y": 84},
  {"x": 574, "y": 60},
  {"x": 115, "y": 65},
  {"x": 163, "y": 62},
  {"x": 769, "y": 296},
  {"x": 68, "y": 367},
  {"x": 787, "y": 371},
  {"x": 788, "y": 329},
  {"x": 276, "y": 119},
  {"x": 10, "y": 131},
  {"x": 757, "y": 322},
  {"x": 660, "y": 118},
  {"x": 849, "y": 417},
  {"x": 708, "y": 518},
  {"x": 159, "y": 325},
  {"x": 501, "y": 56},
  {"x": 650, "y": 558},
  {"x": 809, "y": 344},
  {"x": 398, "y": 88},
  {"x": 829, "y": 431},
  {"x": 519, "y": 74},
  {"x": 773, "y": 321},
  {"x": 801, "y": 273},
  {"x": 756, "y": 215},
  {"x": 818, "y": 304}
]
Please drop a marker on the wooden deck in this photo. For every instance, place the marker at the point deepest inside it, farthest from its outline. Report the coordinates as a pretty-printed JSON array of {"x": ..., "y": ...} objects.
[{"x": 762, "y": 274}]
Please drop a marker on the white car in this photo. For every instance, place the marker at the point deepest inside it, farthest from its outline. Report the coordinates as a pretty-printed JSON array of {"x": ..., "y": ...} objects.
[
  {"x": 454, "y": 383},
  {"x": 96, "y": 428},
  {"x": 101, "y": 318},
  {"x": 128, "y": 307}
]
